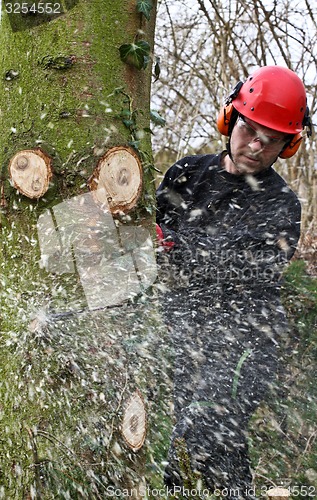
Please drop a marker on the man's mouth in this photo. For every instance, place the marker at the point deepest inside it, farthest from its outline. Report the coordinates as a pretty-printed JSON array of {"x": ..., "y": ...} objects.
[{"x": 251, "y": 159}]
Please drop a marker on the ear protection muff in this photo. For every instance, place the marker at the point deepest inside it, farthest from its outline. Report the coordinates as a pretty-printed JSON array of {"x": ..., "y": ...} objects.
[
  {"x": 224, "y": 118},
  {"x": 292, "y": 147},
  {"x": 294, "y": 144},
  {"x": 227, "y": 112}
]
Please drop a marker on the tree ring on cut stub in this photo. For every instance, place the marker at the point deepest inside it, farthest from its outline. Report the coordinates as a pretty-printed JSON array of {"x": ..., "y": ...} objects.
[
  {"x": 134, "y": 421},
  {"x": 30, "y": 172},
  {"x": 117, "y": 179}
]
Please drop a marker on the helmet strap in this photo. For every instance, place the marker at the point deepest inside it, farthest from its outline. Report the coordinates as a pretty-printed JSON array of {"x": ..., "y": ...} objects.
[
  {"x": 233, "y": 119},
  {"x": 234, "y": 115},
  {"x": 228, "y": 149}
]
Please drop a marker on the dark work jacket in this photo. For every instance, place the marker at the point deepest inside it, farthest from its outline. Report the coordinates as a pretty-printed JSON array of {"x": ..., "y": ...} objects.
[
  {"x": 233, "y": 236},
  {"x": 229, "y": 231}
]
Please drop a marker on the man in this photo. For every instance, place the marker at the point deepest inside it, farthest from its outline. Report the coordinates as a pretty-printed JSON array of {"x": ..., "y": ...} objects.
[{"x": 229, "y": 224}]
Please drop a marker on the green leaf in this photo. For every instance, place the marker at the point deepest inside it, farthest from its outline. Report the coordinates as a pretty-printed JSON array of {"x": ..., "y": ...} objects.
[
  {"x": 157, "y": 69},
  {"x": 135, "y": 54},
  {"x": 134, "y": 144},
  {"x": 148, "y": 130},
  {"x": 157, "y": 118},
  {"x": 125, "y": 113},
  {"x": 144, "y": 7},
  {"x": 128, "y": 123},
  {"x": 147, "y": 59}
]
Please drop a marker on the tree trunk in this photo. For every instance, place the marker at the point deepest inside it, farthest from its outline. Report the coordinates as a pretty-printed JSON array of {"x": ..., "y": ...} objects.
[{"x": 80, "y": 385}]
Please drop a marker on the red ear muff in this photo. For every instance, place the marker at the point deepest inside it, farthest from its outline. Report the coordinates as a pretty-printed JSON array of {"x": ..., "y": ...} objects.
[
  {"x": 224, "y": 117},
  {"x": 225, "y": 114},
  {"x": 292, "y": 147},
  {"x": 296, "y": 141}
]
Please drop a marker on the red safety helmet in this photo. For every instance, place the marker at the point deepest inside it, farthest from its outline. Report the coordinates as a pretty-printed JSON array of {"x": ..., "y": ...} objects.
[{"x": 272, "y": 96}]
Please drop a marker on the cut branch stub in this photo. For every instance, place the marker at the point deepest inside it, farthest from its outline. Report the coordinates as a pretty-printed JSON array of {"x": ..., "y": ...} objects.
[
  {"x": 134, "y": 422},
  {"x": 117, "y": 179},
  {"x": 30, "y": 172}
]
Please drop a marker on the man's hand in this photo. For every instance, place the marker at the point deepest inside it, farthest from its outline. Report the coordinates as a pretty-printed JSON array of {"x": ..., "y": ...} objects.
[{"x": 166, "y": 243}]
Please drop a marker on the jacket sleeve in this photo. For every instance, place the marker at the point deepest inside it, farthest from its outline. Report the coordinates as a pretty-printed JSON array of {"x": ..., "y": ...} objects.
[
  {"x": 173, "y": 197},
  {"x": 170, "y": 197}
]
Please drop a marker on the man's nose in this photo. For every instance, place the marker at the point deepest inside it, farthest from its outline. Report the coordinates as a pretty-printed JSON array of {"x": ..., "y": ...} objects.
[{"x": 256, "y": 144}]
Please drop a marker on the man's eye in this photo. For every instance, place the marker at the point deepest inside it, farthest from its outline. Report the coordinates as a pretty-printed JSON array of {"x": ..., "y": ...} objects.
[
  {"x": 274, "y": 140},
  {"x": 248, "y": 128}
]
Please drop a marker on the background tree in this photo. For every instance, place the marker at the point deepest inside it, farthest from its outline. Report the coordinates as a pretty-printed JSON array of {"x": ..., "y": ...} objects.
[
  {"x": 79, "y": 382},
  {"x": 212, "y": 45}
]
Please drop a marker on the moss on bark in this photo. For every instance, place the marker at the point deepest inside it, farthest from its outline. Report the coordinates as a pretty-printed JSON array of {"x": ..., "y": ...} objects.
[{"x": 66, "y": 371}]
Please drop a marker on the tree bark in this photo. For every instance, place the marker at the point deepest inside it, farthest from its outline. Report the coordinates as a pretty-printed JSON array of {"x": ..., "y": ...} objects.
[{"x": 80, "y": 385}]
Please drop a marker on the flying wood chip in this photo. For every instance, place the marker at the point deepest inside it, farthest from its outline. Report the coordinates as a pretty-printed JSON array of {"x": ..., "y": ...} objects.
[
  {"x": 117, "y": 179},
  {"x": 134, "y": 422},
  {"x": 30, "y": 172}
]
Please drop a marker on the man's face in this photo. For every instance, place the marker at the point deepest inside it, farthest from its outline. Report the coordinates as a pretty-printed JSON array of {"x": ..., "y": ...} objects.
[{"x": 254, "y": 147}]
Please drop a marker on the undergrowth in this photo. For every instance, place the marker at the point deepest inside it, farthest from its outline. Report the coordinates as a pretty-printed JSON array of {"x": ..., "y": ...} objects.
[{"x": 283, "y": 432}]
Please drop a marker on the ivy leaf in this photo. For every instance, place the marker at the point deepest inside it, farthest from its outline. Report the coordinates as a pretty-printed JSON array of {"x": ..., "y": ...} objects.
[
  {"x": 157, "y": 118},
  {"x": 134, "y": 144},
  {"x": 128, "y": 123},
  {"x": 157, "y": 69},
  {"x": 144, "y": 7},
  {"x": 136, "y": 54},
  {"x": 148, "y": 130},
  {"x": 125, "y": 113},
  {"x": 147, "y": 59}
]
